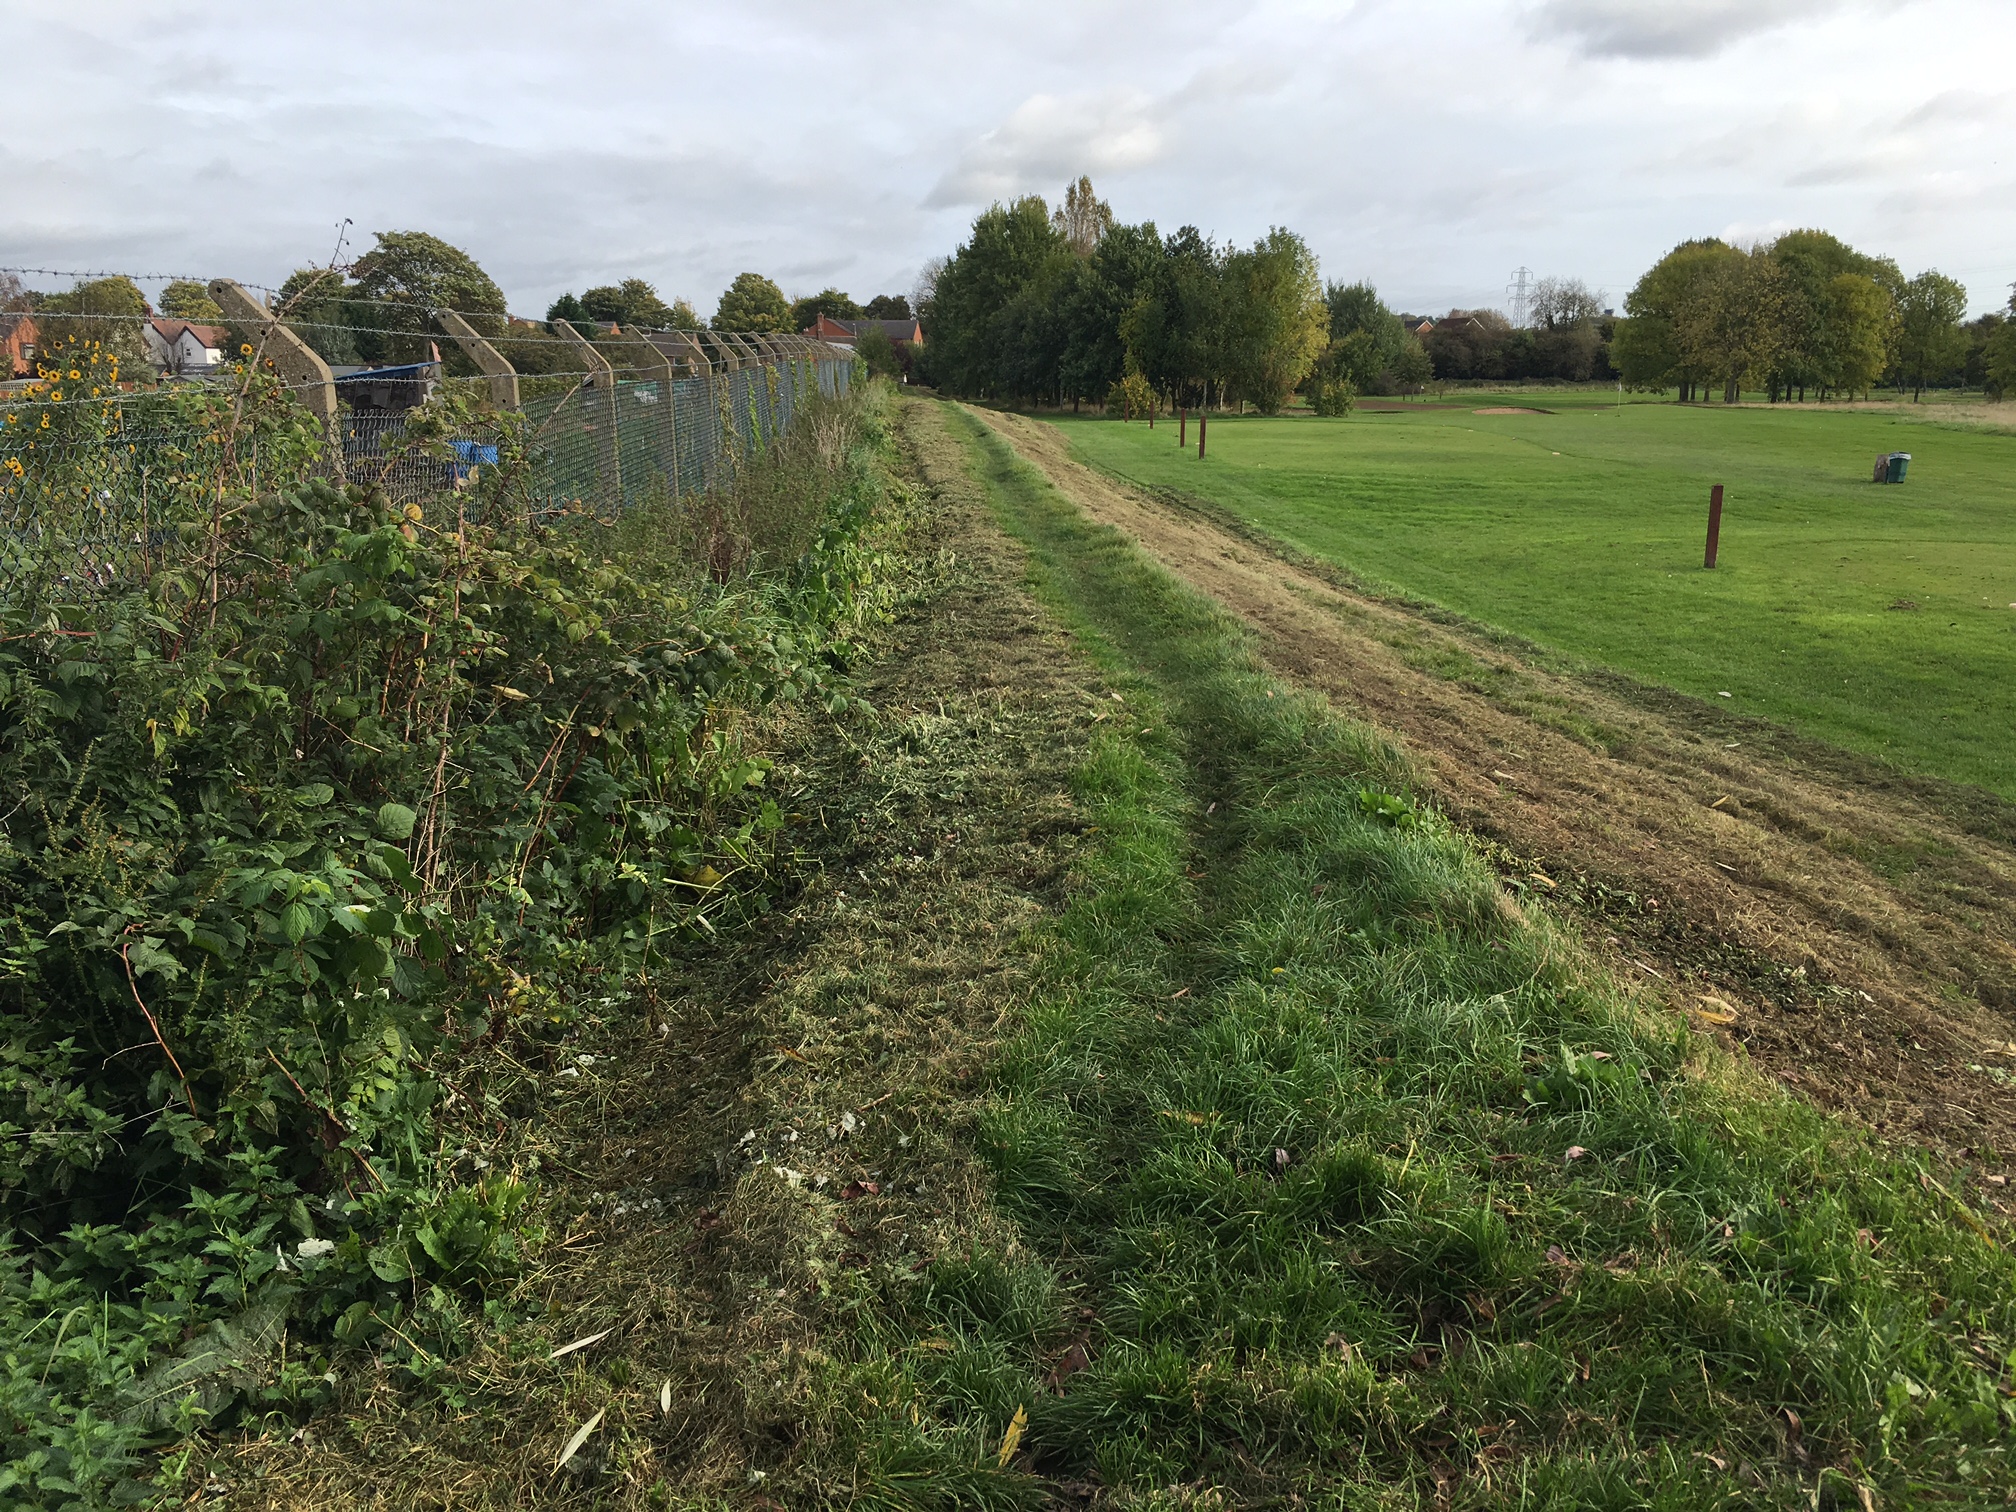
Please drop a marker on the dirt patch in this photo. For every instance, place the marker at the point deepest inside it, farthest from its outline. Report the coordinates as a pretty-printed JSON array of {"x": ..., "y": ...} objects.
[
  {"x": 1510, "y": 409},
  {"x": 1857, "y": 927}
]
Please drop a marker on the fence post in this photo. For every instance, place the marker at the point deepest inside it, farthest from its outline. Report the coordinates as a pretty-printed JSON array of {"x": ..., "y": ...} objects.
[
  {"x": 603, "y": 377},
  {"x": 300, "y": 366},
  {"x": 1714, "y": 525},
  {"x": 503, "y": 377}
]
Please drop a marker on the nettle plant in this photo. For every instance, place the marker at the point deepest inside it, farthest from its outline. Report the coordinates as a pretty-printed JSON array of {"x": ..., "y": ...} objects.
[{"x": 321, "y": 801}]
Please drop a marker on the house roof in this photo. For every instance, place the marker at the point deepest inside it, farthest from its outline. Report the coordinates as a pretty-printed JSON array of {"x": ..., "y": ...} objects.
[
  {"x": 830, "y": 326},
  {"x": 209, "y": 335}
]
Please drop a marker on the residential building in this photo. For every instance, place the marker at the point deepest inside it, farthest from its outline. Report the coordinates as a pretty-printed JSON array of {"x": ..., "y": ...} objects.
[
  {"x": 183, "y": 347},
  {"x": 18, "y": 338}
]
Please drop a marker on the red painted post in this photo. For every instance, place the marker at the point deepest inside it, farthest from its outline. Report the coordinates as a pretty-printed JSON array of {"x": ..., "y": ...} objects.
[
  {"x": 1202, "y": 416},
  {"x": 1714, "y": 523}
]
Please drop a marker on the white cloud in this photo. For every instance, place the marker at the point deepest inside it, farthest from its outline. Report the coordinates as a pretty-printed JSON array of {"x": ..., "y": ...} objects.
[{"x": 1048, "y": 141}]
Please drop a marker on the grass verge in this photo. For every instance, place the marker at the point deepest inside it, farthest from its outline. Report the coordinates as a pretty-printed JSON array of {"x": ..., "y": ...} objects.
[{"x": 1334, "y": 1179}]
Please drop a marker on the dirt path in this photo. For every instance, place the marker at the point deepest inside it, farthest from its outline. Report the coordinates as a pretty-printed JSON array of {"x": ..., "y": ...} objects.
[{"x": 1857, "y": 930}]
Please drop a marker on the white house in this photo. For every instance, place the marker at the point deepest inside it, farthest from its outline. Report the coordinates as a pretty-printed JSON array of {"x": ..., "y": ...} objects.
[{"x": 178, "y": 346}]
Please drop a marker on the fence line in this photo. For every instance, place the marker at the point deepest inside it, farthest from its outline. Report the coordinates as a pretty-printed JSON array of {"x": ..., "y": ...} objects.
[{"x": 632, "y": 418}]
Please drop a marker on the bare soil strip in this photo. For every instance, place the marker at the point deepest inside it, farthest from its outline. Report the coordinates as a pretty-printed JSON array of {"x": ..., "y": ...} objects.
[{"x": 1853, "y": 930}]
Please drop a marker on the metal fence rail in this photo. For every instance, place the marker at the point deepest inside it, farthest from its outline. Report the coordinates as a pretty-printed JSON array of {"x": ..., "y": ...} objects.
[{"x": 86, "y": 481}]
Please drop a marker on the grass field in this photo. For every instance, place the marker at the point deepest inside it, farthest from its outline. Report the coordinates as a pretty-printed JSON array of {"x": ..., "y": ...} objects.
[{"x": 1582, "y": 529}]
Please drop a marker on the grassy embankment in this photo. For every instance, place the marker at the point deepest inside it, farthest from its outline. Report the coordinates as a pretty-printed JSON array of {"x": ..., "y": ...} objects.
[
  {"x": 1332, "y": 1176},
  {"x": 1582, "y": 530}
]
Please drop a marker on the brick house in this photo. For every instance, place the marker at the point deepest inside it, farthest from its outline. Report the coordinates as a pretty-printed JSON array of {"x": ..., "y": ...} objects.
[{"x": 18, "y": 338}]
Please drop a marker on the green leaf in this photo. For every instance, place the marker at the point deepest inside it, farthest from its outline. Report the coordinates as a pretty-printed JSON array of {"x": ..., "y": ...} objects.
[
  {"x": 396, "y": 821},
  {"x": 295, "y": 922},
  {"x": 314, "y": 795}
]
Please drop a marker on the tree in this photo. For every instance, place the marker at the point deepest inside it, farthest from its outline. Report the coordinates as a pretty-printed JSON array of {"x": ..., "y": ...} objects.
[
  {"x": 398, "y": 285},
  {"x": 1276, "y": 320},
  {"x": 828, "y": 302},
  {"x": 1083, "y": 218},
  {"x": 1096, "y": 297},
  {"x": 186, "y": 299},
  {"x": 752, "y": 303},
  {"x": 887, "y": 307},
  {"x": 1366, "y": 339},
  {"x": 1412, "y": 369},
  {"x": 2000, "y": 357},
  {"x": 315, "y": 303},
  {"x": 972, "y": 300},
  {"x": 108, "y": 311},
  {"x": 1560, "y": 304},
  {"x": 1469, "y": 344},
  {"x": 1730, "y": 328},
  {"x": 632, "y": 302},
  {"x": 1929, "y": 339},
  {"x": 569, "y": 309},
  {"x": 1646, "y": 349},
  {"x": 1857, "y": 316}
]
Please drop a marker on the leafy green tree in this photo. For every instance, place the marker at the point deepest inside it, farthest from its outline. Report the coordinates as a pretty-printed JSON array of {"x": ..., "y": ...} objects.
[
  {"x": 186, "y": 299},
  {"x": 632, "y": 302},
  {"x": 887, "y": 307},
  {"x": 973, "y": 313},
  {"x": 1275, "y": 317},
  {"x": 569, "y": 308},
  {"x": 1999, "y": 355},
  {"x": 107, "y": 311},
  {"x": 1366, "y": 338},
  {"x": 1469, "y": 344},
  {"x": 1857, "y": 321},
  {"x": 828, "y": 302},
  {"x": 1412, "y": 369},
  {"x": 1646, "y": 350},
  {"x": 1811, "y": 260},
  {"x": 752, "y": 303},
  {"x": 1929, "y": 340},
  {"x": 317, "y": 306},
  {"x": 1175, "y": 331},
  {"x": 1731, "y": 328},
  {"x": 1097, "y": 295},
  {"x": 400, "y": 282}
]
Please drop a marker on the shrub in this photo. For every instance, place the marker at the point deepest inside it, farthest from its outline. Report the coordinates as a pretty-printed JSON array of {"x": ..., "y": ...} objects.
[{"x": 1332, "y": 396}]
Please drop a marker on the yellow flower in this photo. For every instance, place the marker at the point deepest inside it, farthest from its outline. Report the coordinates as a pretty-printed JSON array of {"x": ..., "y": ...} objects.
[
  {"x": 245, "y": 349},
  {"x": 57, "y": 395},
  {"x": 75, "y": 375}
]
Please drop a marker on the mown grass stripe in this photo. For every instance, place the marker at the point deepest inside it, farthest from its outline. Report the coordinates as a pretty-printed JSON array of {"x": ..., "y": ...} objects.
[{"x": 1403, "y": 1201}]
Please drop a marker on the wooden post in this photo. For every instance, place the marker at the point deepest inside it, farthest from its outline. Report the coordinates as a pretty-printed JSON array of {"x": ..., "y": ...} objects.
[
  {"x": 1203, "y": 416},
  {"x": 503, "y": 377},
  {"x": 1182, "y": 427},
  {"x": 1714, "y": 523}
]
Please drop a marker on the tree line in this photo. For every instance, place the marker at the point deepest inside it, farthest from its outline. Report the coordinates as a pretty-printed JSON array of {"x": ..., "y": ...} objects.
[
  {"x": 379, "y": 309},
  {"x": 1804, "y": 315},
  {"x": 1071, "y": 305}
]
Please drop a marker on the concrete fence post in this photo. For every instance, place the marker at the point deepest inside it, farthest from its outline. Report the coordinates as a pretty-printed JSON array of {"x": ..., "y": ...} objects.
[
  {"x": 300, "y": 366},
  {"x": 503, "y": 377},
  {"x": 601, "y": 379}
]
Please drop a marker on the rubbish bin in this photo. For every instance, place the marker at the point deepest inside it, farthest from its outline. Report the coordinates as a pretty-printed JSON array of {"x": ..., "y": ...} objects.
[{"x": 1900, "y": 463}]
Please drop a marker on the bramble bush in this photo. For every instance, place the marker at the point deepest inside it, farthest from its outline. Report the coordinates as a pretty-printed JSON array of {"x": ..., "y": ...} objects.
[{"x": 295, "y": 821}]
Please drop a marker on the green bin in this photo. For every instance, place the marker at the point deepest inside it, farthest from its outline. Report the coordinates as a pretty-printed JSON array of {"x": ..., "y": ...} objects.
[{"x": 1899, "y": 463}]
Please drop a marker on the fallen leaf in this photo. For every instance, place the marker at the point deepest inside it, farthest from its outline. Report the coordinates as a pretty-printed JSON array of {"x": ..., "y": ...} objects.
[
  {"x": 567, "y": 1349},
  {"x": 1503, "y": 776},
  {"x": 1483, "y": 1307},
  {"x": 1342, "y": 1345},
  {"x": 1575, "y": 1152},
  {"x": 665, "y": 1400},
  {"x": 1425, "y": 1357},
  {"x": 580, "y": 1437},
  {"x": 1795, "y": 1435},
  {"x": 1718, "y": 1011},
  {"x": 855, "y": 1189},
  {"x": 1542, "y": 879},
  {"x": 1073, "y": 1360},
  {"x": 1556, "y": 1255},
  {"x": 1012, "y": 1439},
  {"x": 1719, "y": 801}
]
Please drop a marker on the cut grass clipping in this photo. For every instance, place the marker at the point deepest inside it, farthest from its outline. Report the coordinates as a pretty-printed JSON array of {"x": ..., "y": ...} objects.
[{"x": 1338, "y": 1178}]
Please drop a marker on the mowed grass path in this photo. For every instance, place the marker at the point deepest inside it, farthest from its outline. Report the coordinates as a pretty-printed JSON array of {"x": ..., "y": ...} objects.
[{"x": 1583, "y": 530}]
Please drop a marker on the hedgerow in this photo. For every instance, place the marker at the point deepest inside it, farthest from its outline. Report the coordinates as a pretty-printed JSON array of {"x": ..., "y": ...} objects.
[{"x": 338, "y": 793}]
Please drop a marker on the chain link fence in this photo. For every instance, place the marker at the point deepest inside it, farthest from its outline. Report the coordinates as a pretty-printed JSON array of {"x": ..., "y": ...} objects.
[{"x": 95, "y": 469}]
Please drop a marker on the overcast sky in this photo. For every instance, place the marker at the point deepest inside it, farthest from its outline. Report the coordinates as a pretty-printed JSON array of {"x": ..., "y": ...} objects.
[{"x": 1432, "y": 146}]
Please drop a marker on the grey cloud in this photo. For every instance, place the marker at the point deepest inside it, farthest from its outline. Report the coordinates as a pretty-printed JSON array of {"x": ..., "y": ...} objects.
[{"x": 1666, "y": 28}]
